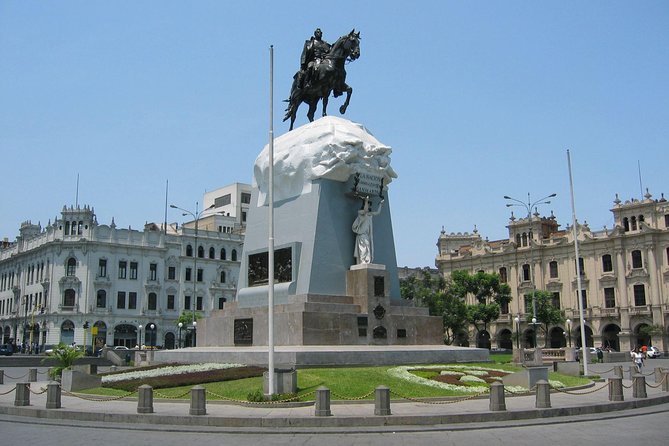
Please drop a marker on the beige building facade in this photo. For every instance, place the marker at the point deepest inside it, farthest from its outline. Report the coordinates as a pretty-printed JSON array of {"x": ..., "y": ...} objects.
[{"x": 624, "y": 277}]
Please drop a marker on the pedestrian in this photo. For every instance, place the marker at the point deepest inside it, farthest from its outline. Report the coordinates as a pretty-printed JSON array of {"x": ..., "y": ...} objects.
[{"x": 638, "y": 359}]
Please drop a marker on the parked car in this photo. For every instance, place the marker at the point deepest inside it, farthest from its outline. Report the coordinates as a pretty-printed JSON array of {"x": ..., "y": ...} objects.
[
  {"x": 121, "y": 347},
  {"x": 653, "y": 352},
  {"x": 6, "y": 350}
]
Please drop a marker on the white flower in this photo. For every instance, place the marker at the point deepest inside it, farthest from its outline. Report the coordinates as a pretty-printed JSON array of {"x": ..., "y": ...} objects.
[
  {"x": 403, "y": 372},
  {"x": 451, "y": 373},
  {"x": 167, "y": 370},
  {"x": 471, "y": 379}
]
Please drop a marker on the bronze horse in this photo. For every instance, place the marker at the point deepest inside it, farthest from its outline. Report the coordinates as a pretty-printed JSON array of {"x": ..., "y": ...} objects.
[{"x": 328, "y": 76}]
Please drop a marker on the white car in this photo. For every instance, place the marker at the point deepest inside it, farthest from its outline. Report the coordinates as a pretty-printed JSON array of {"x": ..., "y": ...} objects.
[{"x": 653, "y": 352}]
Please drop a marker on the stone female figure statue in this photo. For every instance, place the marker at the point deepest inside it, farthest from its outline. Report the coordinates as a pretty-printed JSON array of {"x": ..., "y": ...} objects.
[{"x": 363, "y": 228}]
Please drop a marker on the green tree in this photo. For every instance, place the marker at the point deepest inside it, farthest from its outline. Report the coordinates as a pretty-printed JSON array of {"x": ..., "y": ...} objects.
[
  {"x": 547, "y": 313},
  {"x": 65, "y": 356},
  {"x": 489, "y": 294},
  {"x": 186, "y": 318}
]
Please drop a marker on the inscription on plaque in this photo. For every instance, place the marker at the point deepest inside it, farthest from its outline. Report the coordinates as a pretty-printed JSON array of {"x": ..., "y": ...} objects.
[
  {"x": 243, "y": 331},
  {"x": 258, "y": 267}
]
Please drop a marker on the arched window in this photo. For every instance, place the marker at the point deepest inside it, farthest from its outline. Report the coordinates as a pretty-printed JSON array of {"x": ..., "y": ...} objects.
[
  {"x": 101, "y": 301},
  {"x": 200, "y": 252},
  {"x": 524, "y": 239},
  {"x": 526, "y": 272},
  {"x": 222, "y": 276},
  {"x": 71, "y": 266},
  {"x": 212, "y": 253},
  {"x": 189, "y": 251},
  {"x": 503, "y": 275},
  {"x": 607, "y": 263},
  {"x": 69, "y": 298},
  {"x": 626, "y": 224},
  {"x": 222, "y": 253},
  {"x": 637, "y": 261},
  {"x": 553, "y": 269},
  {"x": 67, "y": 332},
  {"x": 633, "y": 223},
  {"x": 233, "y": 255},
  {"x": 517, "y": 239},
  {"x": 153, "y": 301}
]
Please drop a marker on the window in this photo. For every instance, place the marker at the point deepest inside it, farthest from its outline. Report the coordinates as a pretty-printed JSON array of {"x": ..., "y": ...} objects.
[
  {"x": 101, "y": 301},
  {"x": 102, "y": 268},
  {"x": 153, "y": 302},
  {"x": 666, "y": 221},
  {"x": 71, "y": 266},
  {"x": 133, "y": 270},
  {"x": 186, "y": 302},
  {"x": 667, "y": 255},
  {"x": 633, "y": 223},
  {"x": 639, "y": 295},
  {"x": 200, "y": 273},
  {"x": 246, "y": 198},
  {"x": 556, "y": 300},
  {"x": 581, "y": 266},
  {"x": 243, "y": 216},
  {"x": 122, "y": 269},
  {"x": 526, "y": 272},
  {"x": 199, "y": 303},
  {"x": 528, "y": 303},
  {"x": 132, "y": 300},
  {"x": 223, "y": 201},
  {"x": 120, "y": 299},
  {"x": 609, "y": 297},
  {"x": 607, "y": 263},
  {"x": 200, "y": 252},
  {"x": 189, "y": 274},
  {"x": 212, "y": 253},
  {"x": 504, "y": 308},
  {"x": 172, "y": 273},
  {"x": 221, "y": 301},
  {"x": 233, "y": 255},
  {"x": 524, "y": 239},
  {"x": 153, "y": 271},
  {"x": 584, "y": 298},
  {"x": 222, "y": 276},
  {"x": 503, "y": 275},
  {"x": 553, "y": 269},
  {"x": 189, "y": 251},
  {"x": 517, "y": 240},
  {"x": 223, "y": 254},
  {"x": 170, "y": 302},
  {"x": 637, "y": 262},
  {"x": 69, "y": 298},
  {"x": 626, "y": 224}
]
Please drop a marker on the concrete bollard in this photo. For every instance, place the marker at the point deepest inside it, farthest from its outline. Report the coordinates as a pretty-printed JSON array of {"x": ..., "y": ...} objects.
[
  {"x": 665, "y": 382},
  {"x": 145, "y": 399},
  {"x": 2, "y": 376},
  {"x": 22, "y": 397},
  {"x": 382, "y": 401},
  {"x": 322, "y": 403},
  {"x": 543, "y": 399},
  {"x": 618, "y": 371},
  {"x": 32, "y": 375},
  {"x": 53, "y": 392},
  {"x": 616, "y": 389},
  {"x": 639, "y": 386},
  {"x": 198, "y": 401},
  {"x": 497, "y": 402}
]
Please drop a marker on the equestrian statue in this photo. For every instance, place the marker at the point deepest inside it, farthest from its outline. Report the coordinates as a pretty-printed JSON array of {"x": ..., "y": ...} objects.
[{"x": 322, "y": 72}]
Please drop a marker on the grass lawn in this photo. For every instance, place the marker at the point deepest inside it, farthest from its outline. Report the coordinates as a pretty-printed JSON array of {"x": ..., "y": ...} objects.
[{"x": 344, "y": 383}]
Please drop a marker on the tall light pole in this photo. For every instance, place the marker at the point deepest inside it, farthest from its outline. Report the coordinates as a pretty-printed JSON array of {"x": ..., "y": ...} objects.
[
  {"x": 528, "y": 207},
  {"x": 180, "y": 326},
  {"x": 140, "y": 337},
  {"x": 152, "y": 342},
  {"x": 196, "y": 216},
  {"x": 569, "y": 330},
  {"x": 517, "y": 321}
]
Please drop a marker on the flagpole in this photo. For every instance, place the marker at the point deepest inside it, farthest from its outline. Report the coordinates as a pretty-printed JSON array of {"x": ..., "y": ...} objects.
[
  {"x": 270, "y": 256},
  {"x": 579, "y": 295}
]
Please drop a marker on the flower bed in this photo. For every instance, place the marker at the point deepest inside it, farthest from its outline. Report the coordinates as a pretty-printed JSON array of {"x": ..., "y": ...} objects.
[{"x": 460, "y": 378}]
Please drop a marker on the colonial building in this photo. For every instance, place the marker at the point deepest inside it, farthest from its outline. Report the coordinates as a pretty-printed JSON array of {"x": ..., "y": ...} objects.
[
  {"x": 624, "y": 276},
  {"x": 76, "y": 280}
]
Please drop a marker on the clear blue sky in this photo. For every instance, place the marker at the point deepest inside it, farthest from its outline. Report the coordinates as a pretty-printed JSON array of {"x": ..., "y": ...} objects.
[{"x": 477, "y": 99}]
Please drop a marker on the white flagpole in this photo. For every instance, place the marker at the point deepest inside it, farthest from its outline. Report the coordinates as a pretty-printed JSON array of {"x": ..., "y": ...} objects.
[
  {"x": 270, "y": 259},
  {"x": 579, "y": 295}
]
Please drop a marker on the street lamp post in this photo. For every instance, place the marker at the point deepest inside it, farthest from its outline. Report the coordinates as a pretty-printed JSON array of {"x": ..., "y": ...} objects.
[
  {"x": 180, "y": 326},
  {"x": 194, "y": 333},
  {"x": 152, "y": 341},
  {"x": 534, "y": 330},
  {"x": 569, "y": 331},
  {"x": 196, "y": 217},
  {"x": 517, "y": 321},
  {"x": 528, "y": 207},
  {"x": 140, "y": 337}
]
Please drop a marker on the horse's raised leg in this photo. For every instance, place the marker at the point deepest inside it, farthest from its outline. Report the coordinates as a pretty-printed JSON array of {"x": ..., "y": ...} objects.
[{"x": 343, "y": 108}]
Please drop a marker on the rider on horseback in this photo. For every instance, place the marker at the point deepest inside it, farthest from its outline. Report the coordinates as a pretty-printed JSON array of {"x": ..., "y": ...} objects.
[{"x": 313, "y": 53}]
